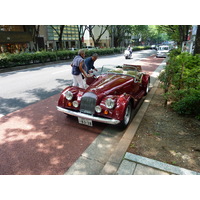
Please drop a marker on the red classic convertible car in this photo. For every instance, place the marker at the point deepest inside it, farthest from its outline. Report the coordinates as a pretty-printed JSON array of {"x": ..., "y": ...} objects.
[{"x": 110, "y": 97}]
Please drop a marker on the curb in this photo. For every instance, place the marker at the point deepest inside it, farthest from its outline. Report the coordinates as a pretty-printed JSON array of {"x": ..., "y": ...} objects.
[
  {"x": 164, "y": 167},
  {"x": 116, "y": 158}
]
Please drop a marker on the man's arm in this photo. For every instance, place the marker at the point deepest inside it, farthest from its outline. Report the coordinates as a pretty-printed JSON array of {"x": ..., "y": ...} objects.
[{"x": 82, "y": 70}]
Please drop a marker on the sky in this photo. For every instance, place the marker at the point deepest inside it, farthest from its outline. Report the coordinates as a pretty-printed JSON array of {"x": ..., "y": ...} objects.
[{"x": 104, "y": 12}]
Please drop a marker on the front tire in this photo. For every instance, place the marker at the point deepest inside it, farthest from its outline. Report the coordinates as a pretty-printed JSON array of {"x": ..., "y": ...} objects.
[
  {"x": 127, "y": 116},
  {"x": 147, "y": 88}
]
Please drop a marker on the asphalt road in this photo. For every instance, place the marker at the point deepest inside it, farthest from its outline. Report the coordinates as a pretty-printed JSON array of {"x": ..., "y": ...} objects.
[{"x": 21, "y": 88}]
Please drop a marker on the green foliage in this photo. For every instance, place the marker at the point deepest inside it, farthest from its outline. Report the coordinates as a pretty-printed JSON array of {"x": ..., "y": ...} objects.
[
  {"x": 12, "y": 60},
  {"x": 188, "y": 103},
  {"x": 177, "y": 33},
  {"x": 181, "y": 82}
]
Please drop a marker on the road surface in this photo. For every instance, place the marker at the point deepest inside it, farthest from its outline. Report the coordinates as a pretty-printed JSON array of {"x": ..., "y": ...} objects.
[{"x": 19, "y": 89}]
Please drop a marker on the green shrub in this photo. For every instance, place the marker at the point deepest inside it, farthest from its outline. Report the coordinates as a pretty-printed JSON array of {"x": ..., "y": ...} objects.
[
  {"x": 181, "y": 82},
  {"x": 11, "y": 60},
  {"x": 189, "y": 104}
]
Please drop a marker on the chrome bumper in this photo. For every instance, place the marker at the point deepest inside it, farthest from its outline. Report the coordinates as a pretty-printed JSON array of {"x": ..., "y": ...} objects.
[{"x": 86, "y": 116}]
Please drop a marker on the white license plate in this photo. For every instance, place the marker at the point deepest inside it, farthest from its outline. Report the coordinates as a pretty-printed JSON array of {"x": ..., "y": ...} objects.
[{"x": 87, "y": 122}]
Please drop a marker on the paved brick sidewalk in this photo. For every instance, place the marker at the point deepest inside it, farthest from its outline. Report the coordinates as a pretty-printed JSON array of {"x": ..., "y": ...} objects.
[{"x": 139, "y": 165}]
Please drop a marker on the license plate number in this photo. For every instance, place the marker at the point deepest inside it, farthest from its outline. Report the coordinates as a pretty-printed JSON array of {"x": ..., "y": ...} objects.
[{"x": 87, "y": 122}]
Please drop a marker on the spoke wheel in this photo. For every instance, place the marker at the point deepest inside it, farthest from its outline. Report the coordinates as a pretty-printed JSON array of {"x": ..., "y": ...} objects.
[
  {"x": 127, "y": 116},
  {"x": 147, "y": 88}
]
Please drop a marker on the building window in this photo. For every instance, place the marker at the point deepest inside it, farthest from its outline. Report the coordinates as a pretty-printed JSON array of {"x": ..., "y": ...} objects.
[
  {"x": 13, "y": 28},
  {"x": 70, "y": 32}
]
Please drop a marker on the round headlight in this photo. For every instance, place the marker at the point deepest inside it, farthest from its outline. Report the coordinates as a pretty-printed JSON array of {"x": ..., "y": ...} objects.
[
  {"x": 75, "y": 104},
  {"x": 69, "y": 95},
  {"x": 98, "y": 109},
  {"x": 110, "y": 103}
]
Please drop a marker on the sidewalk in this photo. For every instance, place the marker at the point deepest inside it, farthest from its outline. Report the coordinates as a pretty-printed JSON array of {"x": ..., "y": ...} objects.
[
  {"x": 137, "y": 165},
  {"x": 125, "y": 163},
  {"x": 116, "y": 158}
]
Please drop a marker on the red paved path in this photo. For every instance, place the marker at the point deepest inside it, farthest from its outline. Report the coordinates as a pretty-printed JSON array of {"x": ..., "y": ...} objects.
[
  {"x": 40, "y": 140},
  {"x": 149, "y": 64}
]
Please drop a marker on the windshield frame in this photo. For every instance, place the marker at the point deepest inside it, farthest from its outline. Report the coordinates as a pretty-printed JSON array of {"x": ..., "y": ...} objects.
[{"x": 124, "y": 70}]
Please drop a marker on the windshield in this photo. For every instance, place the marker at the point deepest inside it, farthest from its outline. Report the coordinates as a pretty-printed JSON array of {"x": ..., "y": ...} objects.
[{"x": 120, "y": 69}]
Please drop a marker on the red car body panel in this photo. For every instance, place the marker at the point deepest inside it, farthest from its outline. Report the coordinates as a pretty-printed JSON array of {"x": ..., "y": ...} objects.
[{"x": 122, "y": 89}]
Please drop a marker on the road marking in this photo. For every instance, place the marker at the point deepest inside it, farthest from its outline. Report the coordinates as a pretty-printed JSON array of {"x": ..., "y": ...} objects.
[{"x": 59, "y": 72}]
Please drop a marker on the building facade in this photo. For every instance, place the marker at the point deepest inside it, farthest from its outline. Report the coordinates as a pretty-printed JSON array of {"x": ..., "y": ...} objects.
[
  {"x": 104, "y": 42},
  {"x": 23, "y": 38},
  {"x": 15, "y": 38},
  {"x": 28, "y": 38},
  {"x": 70, "y": 37}
]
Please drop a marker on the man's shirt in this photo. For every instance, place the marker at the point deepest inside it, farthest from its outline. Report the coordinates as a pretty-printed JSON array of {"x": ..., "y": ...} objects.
[{"x": 89, "y": 64}]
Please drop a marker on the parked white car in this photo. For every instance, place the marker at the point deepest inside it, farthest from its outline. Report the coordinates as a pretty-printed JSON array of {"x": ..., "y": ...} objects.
[
  {"x": 162, "y": 51},
  {"x": 89, "y": 47}
]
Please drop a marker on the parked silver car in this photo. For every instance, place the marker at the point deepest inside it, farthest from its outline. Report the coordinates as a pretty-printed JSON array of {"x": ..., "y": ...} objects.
[
  {"x": 162, "y": 51},
  {"x": 89, "y": 47}
]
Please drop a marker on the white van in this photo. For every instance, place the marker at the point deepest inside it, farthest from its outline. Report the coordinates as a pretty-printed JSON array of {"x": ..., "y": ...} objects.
[{"x": 162, "y": 51}]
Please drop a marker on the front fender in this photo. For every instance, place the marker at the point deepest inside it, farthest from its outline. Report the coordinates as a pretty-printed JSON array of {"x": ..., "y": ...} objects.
[
  {"x": 77, "y": 93},
  {"x": 145, "y": 79},
  {"x": 120, "y": 108},
  {"x": 121, "y": 101}
]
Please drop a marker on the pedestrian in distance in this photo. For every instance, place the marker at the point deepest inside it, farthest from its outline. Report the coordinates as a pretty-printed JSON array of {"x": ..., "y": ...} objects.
[
  {"x": 78, "y": 70},
  {"x": 89, "y": 62},
  {"x": 185, "y": 48},
  {"x": 130, "y": 49}
]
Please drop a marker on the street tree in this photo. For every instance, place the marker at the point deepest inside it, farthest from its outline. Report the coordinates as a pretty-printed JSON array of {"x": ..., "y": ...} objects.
[
  {"x": 35, "y": 35},
  {"x": 155, "y": 36},
  {"x": 119, "y": 33},
  {"x": 177, "y": 33},
  {"x": 81, "y": 32},
  {"x": 102, "y": 28},
  {"x": 59, "y": 30},
  {"x": 141, "y": 32}
]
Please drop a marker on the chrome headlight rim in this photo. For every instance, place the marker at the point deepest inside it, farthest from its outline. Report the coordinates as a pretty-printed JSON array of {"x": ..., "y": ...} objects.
[
  {"x": 98, "y": 109},
  {"x": 75, "y": 104},
  {"x": 110, "y": 103},
  {"x": 68, "y": 95}
]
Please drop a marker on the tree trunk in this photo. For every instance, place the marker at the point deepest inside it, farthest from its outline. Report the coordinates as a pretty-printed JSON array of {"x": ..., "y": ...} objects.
[
  {"x": 59, "y": 33},
  {"x": 183, "y": 32},
  {"x": 35, "y": 36},
  {"x": 60, "y": 37},
  {"x": 81, "y": 32},
  {"x": 197, "y": 41}
]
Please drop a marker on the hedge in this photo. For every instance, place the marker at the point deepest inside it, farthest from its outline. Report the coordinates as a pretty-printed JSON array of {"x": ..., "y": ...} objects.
[
  {"x": 181, "y": 82},
  {"x": 12, "y": 60}
]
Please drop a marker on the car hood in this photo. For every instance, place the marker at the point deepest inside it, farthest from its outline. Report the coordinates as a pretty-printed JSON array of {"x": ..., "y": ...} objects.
[{"x": 108, "y": 84}]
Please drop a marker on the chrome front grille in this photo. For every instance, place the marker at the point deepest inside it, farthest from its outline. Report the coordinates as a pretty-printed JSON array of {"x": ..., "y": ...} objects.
[{"x": 88, "y": 103}]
